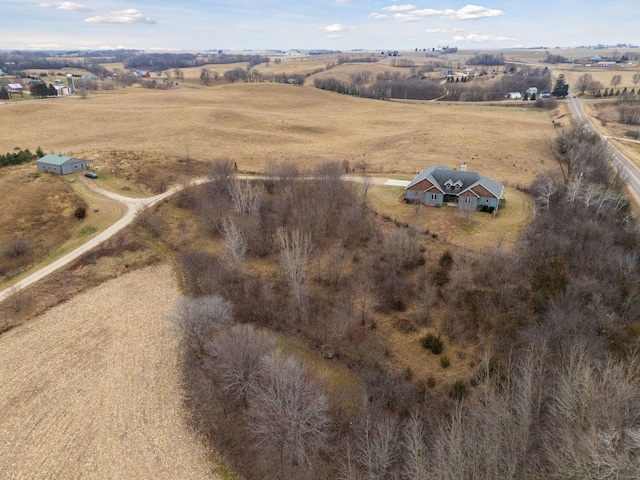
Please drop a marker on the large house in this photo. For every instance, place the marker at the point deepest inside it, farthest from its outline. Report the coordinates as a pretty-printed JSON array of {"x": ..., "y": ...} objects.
[
  {"x": 439, "y": 185},
  {"x": 61, "y": 165}
]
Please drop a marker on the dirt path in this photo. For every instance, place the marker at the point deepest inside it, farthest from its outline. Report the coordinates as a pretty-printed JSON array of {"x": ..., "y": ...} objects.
[{"x": 90, "y": 389}]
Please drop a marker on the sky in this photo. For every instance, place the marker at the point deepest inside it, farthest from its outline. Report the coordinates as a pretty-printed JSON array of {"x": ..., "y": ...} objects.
[{"x": 199, "y": 25}]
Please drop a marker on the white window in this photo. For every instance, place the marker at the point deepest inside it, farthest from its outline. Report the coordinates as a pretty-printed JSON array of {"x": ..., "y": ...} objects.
[
  {"x": 434, "y": 196},
  {"x": 467, "y": 200}
]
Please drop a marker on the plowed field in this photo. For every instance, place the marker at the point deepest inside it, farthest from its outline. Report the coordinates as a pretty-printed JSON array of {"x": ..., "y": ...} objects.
[{"x": 90, "y": 389}]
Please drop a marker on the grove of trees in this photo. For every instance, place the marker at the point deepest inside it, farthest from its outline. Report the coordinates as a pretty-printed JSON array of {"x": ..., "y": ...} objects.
[
  {"x": 288, "y": 375},
  {"x": 418, "y": 86}
]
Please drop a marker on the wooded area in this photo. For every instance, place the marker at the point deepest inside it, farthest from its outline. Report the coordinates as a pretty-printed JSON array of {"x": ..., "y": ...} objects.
[{"x": 287, "y": 375}]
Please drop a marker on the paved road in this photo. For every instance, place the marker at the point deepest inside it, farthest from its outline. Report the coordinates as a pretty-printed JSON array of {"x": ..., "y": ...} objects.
[{"x": 628, "y": 168}]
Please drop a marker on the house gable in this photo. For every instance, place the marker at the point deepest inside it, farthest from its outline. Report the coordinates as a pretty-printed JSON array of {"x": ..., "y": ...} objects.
[
  {"x": 421, "y": 186},
  {"x": 480, "y": 191}
]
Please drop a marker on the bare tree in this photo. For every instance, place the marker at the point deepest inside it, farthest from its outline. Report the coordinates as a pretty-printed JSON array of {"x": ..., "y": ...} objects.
[
  {"x": 281, "y": 173},
  {"x": 295, "y": 251},
  {"x": 546, "y": 191},
  {"x": 583, "y": 81},
  {"x": 415, "y": 451},
  {"x": 574, "y": 189},
  {"x": 221, "y": 172},
  {"x": 635, "y": 79},
  {"x": 594, "y": 87},
  {"x": 247, "y": 197},
  {"x": 377, "y": 445},
  {"x": 198, "y": 318},
  {"x": 616, "y": 80},
  {"x": 235, "y": 357},
  {"x": 179, "y": 74},
  {"x": 288, "y": 412},
  {"x": 235, "y": 243},
  {"x": 590, "y": 195},
  {"x": 362, "y": 166},
  {"x": 205, "y": 76}
]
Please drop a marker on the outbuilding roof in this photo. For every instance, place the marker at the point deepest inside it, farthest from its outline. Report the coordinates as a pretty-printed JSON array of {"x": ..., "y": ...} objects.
[{"x": 59, "y": 159}]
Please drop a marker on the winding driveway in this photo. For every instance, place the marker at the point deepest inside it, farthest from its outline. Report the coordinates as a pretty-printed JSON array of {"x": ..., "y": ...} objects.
[{"x": 133, "y": 206}]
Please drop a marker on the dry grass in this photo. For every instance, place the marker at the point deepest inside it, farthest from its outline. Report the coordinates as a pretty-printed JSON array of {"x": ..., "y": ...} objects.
[
  {"x": 39, "y": 208},
  {"x": 256, "y": 124},
  {"x": 91, "y": 389}
]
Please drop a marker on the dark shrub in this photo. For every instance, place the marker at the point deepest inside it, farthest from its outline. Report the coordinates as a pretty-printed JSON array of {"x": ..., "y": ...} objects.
[
  {"x": 433, "y": 343},
  {"x": 80, "y": 213}
]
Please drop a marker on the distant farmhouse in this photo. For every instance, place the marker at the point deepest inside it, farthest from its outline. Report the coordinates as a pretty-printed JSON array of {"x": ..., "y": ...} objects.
[
  {"x": 439, "y": 185},
  {"x": 61, "y": 165}
]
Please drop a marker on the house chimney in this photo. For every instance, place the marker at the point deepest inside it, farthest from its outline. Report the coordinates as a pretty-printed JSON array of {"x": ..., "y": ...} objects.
[{"x": 463, "y": 167}]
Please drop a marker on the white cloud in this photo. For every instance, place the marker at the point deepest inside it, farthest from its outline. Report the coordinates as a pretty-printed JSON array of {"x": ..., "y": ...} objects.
[
  {"x": 335, "y": 27},
  {"x": 378, "y": 16},
  {"x": 443, "y": 30},
  {"x": 76, "y": 7},
  {"x": 477, "y": 38},
  {"x": 406, "y": 17},
  {"x": 335, "y": 37},
  {"x": 122, "y": 17},
  {"x": 70, "y": 6},
  {"x": 468, "y": 12},
  {"x": 399, "y": 8}
]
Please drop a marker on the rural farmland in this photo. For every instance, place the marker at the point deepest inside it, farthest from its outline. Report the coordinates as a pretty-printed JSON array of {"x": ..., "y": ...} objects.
[{"x": 176, "y": 348}]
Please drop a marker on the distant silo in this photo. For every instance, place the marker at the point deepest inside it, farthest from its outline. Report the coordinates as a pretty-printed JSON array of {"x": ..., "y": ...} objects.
[{"x": 72, "y": 87}]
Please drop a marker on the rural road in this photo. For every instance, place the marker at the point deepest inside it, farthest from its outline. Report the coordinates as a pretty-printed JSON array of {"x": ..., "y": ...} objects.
[
  {"x": 630, "y": 171},
  {"x": 133, "y": 205}
]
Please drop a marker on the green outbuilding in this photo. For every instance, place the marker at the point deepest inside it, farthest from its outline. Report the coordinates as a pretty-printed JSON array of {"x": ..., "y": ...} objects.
[{"x": 61, "y": 165}]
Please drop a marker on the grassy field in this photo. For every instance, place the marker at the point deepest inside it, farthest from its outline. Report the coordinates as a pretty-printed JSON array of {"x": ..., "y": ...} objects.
[{"x": 254, "y": 124}]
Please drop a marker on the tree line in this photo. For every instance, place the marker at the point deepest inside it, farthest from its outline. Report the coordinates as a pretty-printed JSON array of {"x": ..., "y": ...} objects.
[
  {"x": 419, "y": 86},
  {"x": 20, "y": 157},
  {"x": 166, "y": 61}
]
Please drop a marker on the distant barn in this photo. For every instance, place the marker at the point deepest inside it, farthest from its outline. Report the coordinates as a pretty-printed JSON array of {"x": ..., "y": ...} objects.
[{"x": 61, "y": 165}]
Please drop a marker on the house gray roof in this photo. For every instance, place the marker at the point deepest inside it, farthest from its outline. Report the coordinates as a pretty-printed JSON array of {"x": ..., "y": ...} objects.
[{"x": 456, "y": 182}]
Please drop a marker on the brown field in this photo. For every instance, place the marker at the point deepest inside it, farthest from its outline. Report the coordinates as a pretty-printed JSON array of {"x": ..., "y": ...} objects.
[
  {"x": 600, "y": 74},
  {"x": 344, "y": 71},
  {"x": 254, "y": 124},
  {"x": 91, "y": 388}
]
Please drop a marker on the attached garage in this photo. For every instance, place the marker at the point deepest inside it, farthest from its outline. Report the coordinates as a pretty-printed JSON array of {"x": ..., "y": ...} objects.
[{"x": 61, "y": 165}]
